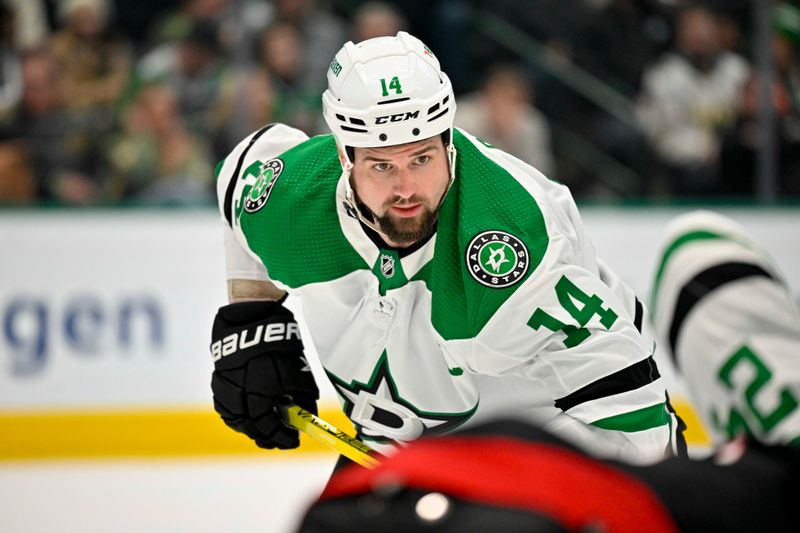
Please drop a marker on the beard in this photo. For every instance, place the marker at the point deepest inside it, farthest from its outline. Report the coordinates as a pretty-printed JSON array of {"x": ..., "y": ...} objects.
[{"x": 406, "y": 230}]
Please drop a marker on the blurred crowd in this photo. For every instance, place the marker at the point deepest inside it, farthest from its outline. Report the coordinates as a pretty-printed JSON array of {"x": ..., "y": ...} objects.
[{"x": 105, "y": 102}]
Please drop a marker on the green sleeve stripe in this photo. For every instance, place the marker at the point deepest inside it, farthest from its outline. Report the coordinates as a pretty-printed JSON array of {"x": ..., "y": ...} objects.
[
  {"x": 639, "y": 420},
  {"x": 671, "y": 249},
  {"x": 795, "y": 441}
]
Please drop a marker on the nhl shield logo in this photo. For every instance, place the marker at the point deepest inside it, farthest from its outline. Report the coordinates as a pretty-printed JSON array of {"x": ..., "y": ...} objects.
[
  {"x": 263, "y": 186},
  {"x": 387, "y": 266},
  {"x": 497, "y": 259}
]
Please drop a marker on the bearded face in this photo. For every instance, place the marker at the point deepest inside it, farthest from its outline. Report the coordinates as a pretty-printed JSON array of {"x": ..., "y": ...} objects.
[{"x": 401, "y": 187}]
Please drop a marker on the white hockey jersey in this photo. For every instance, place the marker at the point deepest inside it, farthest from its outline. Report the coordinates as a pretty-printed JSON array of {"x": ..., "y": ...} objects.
[
  {"x": 728, "y": 321},
  {"x": 503, "y": 312}
]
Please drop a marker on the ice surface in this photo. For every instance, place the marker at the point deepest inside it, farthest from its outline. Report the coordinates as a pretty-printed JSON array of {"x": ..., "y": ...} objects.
[{"x": 160, "y": 496}]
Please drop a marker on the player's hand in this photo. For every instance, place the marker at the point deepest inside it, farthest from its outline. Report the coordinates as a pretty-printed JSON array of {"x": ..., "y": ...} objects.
[{"x": 258, "y": 363}]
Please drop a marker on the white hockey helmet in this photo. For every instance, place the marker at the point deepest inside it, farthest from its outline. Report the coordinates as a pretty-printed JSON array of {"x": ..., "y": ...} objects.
[{"x": 387, "y": 91}]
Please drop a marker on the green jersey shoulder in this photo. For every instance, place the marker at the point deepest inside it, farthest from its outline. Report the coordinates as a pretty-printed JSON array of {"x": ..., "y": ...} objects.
[
  {"x": 491, "y": 237},
  {"x": 296, "y": 232},
  {"x": 284, "y": 205}
]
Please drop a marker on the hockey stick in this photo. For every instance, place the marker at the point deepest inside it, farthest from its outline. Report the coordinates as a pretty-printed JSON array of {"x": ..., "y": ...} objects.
[{"x": 313, "y": 426}]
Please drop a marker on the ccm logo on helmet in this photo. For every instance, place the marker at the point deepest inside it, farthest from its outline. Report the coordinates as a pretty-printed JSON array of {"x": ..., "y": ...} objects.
[
  {"x": 398, "y": 117},
  {"x": 239, "y": 341}
]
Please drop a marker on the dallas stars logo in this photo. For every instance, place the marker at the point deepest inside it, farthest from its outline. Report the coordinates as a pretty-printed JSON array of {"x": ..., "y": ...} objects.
[
  {"x": 497, "y": 259},
  {"x": 497, "y": 256},
  {"x": 263, "y": 185},
  {"x": 380, "y": 414}
]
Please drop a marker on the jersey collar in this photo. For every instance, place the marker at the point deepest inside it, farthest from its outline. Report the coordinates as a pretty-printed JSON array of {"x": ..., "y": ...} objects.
[{"x": 368, "y": 244}]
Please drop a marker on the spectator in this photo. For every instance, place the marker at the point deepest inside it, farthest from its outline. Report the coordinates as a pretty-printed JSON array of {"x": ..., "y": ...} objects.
[
  {"x": 176, "y": 24},
  {"x": 502, "y": 114},
  {"x": 156, "y": 159},
  {"x": 16, "y": 174},
  {"x": 93, "y": 70},
  {"x": 376, "y": 19},
  {"x": 248, "y": 102},
  {"x": 318, "y": 31},
  {"x": 194, "y": 69},
  {"x": 93, "y": 61},
  {"x": 10, "y": 73},
  {"x": 239, "y": 24},
  {"x": 61, "y": 161},
  {"x": 281, "y": 54},
  {"x": 30, "y": 22},
  {"x": 688, "y": 97},
  {"x": 619, "y": 40},
  {"x": 741, "y": 144}
]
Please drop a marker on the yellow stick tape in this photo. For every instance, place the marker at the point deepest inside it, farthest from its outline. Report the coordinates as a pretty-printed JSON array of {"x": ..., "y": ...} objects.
[{"x": 327, "y": 434}]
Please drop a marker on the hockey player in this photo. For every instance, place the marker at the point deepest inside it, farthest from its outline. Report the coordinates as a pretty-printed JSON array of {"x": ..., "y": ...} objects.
[
  {"x": 443, "y": 281},
  {"x": 727, "y": 319}
]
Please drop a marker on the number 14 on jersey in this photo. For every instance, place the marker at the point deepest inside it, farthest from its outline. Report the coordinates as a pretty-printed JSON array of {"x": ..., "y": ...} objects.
[{"x": 570, "y": 296}]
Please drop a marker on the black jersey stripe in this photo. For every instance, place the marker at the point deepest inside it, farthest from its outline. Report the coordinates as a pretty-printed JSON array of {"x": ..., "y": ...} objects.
[
  {"x": 700, "y": 286},
  {"x": 637, "y": 319},
  {"x": 228, "y": 205},
  {"x": 630, "y": 378}
]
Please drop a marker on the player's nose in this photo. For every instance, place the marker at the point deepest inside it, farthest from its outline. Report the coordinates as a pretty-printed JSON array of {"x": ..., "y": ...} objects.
[{"x": 405, "y": 184}]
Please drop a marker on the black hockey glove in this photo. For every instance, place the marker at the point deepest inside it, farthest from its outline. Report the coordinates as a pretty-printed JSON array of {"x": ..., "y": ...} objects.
[{"x": 258, "y": 362}]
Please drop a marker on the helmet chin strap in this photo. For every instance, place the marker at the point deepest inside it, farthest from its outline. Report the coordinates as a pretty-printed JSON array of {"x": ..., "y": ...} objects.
[{"x": 349, "y": 197}]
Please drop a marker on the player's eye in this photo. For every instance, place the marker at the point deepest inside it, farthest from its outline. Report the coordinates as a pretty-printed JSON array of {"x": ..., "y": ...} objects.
[
  {"x": 421, "y": 160},
  {"x": 381, "y": 167}
]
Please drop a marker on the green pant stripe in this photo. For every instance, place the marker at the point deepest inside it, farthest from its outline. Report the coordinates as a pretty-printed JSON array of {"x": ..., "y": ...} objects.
[
  {"x": 677, "y": 243},
  {"x": 639, "y": 420}
]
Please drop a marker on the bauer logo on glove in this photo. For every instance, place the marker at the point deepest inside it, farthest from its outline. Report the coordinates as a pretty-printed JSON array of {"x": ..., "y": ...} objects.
[{"x": 242, "y": 339}]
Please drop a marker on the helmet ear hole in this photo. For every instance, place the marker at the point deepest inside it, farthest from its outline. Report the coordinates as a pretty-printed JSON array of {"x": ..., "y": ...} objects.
[{"x": 351, "y": 153}]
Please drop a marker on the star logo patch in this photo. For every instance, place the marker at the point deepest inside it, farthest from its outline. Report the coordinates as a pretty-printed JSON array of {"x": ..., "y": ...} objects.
[
  {"x": 497, "y": 259},
  {"x": 380, "y": 413},
  {"x": 263, "y": 186}
]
